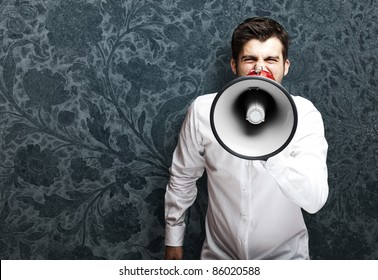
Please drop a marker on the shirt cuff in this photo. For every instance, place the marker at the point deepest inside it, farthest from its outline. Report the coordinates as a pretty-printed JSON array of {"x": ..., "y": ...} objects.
[{"x": 174, "y": 235}]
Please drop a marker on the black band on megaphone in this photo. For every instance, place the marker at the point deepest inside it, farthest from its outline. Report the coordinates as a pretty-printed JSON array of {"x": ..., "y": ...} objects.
[{"x": 243, "y": 139}]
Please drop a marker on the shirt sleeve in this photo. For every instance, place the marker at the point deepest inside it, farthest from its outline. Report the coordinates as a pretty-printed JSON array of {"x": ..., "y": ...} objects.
[
  {"x": 302, "y": 173},
  {"x": 187, "y": 167}
]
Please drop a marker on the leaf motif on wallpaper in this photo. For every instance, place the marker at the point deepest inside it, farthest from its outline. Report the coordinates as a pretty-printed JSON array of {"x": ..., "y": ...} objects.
[
  {"x": 9, "y": 71},
  {"x": 154, "y": 45},
  {"x": 147, "y": 12},
  {"x": 133, "y": 96},
  {"x": 54, "y": 205},
  {"x": 94, "y": 233},
  {"x": 18, "y": 131},
  {"x": 154, "y": 199},
  {"x": 156, "y": 245},
  {"x": 132, "y": 256},
  {"x": 4, "y": 215},
  {"x": 25, "y": 250},
  {"x": 169, "y": 108},
  {"x": 23, "y": 227},
  {"x": 81, "y": 252},
  {"x": 69, "y": 231},
  {"x": 116, "y": 11},
  {"x": 370, "y": 198},
  {"x": 96, "y": 125},
  {"x": 39, "y": 53},
  {"x": 9, "y": 64},
  {"x": 141, "y": 121},
  {"x": 174, "y": 33},
  {"x": 35, "y": 236}
]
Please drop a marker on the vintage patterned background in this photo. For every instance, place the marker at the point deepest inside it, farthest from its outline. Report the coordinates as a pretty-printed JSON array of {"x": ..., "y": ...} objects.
[{"x": 93, "y": 93}]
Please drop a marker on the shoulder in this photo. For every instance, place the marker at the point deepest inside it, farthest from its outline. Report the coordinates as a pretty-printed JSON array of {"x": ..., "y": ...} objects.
[
  {"x": 205, "y": 99},
  {"x": 309, "y": 118},
  {"x": 305, "y": 106},
  {"x": 202, "y": 103},
  {"x": 303, "y": 102}
]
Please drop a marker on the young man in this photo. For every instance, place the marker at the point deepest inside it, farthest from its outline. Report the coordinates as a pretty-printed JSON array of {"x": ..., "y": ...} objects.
[{"x": 254, "y": 209}]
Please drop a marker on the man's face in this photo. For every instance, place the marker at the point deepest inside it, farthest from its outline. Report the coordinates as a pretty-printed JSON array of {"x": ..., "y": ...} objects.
[{"x": 256, "y": 54}]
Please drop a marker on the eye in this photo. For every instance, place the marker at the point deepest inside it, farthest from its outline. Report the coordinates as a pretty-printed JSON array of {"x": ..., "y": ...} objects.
[
  {"x": 272, "y": 60},
  {"x": 249, "y": 61}
]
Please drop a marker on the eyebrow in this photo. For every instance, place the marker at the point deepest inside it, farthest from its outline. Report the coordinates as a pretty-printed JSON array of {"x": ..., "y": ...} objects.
[
  {"x": 273, "y": 57},
  {"x": 254, "y": 57},
  {"x": 247, "y": 57}
]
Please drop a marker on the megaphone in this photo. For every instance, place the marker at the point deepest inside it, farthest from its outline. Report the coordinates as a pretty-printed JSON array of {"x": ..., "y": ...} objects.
[{"x": 253, "y": 117}]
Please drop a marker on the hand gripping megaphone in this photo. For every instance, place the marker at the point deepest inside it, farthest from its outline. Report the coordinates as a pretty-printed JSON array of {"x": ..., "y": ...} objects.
[{"x": 253, "y": 117}]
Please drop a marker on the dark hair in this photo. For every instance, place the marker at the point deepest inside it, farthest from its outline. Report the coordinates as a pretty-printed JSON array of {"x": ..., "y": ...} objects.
[{"x": 261, "y": 29}]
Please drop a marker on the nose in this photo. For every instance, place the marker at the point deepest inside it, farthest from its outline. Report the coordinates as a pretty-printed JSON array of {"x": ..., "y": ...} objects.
[
  {"x": 258, "y": 68},
  {"x": 261, "y": 70}
]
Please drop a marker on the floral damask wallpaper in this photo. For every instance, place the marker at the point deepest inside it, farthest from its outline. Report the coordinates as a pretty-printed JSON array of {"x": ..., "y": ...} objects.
[{"x": 93, "y": 93}]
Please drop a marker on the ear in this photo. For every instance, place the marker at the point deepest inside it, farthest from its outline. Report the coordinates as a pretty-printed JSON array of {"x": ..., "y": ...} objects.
[
  {"x": 286, "y": 67},
  {"x": 233, "y": 65}
]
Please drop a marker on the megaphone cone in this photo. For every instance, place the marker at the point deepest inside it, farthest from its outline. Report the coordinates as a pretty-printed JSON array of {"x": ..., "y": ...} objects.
[{"x": 253, "y": 117}]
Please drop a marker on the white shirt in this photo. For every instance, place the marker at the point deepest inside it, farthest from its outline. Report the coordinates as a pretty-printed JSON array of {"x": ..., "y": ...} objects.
[{"x": 254, "y": 209}]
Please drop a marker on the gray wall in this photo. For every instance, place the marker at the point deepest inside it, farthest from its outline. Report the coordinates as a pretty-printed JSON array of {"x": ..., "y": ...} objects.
[{"x": 93, "y": 93}]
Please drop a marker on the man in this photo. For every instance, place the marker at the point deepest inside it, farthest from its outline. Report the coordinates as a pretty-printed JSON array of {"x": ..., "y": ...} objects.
[{"x": 254, "y": 209}]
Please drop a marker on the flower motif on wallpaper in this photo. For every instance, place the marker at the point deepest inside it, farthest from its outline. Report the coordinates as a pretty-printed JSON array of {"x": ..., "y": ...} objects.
[
  {"x": 125, "y": 175},
  {"x": 23, "y": 19},
  {"x": 80, "y": 171},
  {"x": 188, "y": 6},
  {"x": 321, "y": 12},
  {"x": 142, "y": 76},
  {"x": 121, "y": 224},
  {"x": 81, "y": 252},
  {"x": 92, "y": 95},
  {"x": 44, "y": 89},
  {"x": 36, "y": 166},
  {"x": 106, "y": 161},
  {"x": 125, "y": 153},
  {"x": 16, "y": 26},
  {"x": 66, "y": 118},
  {"x": 27, "y": 11},
  {"x": 185, "y": 54},
  {"x": 74, "y": 26}
]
